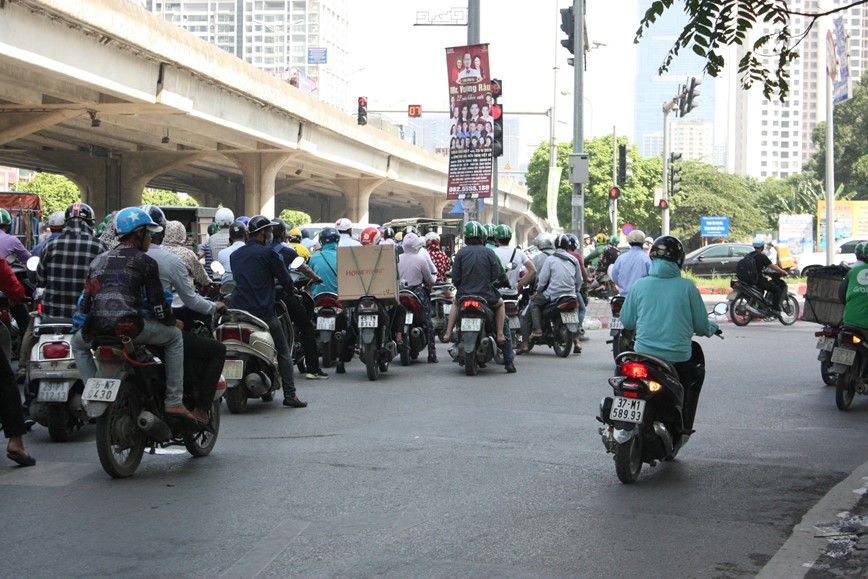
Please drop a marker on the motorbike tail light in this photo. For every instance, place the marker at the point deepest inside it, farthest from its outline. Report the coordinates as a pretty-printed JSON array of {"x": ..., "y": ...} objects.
[
  {"x": 634, "y": 370},
  {"x": 39, "y": 309},
  {"x": 328, "y": 302},
  {"x": 630, "y": 394},
  {"x": 511, "y": 309},
  {"x": 654, "y": 386},
  {"x": 55, "y": 350},
  {"x": 471, "y": 304},
  {"x": 233, "y": 333},
  {"x": 617, "y": 305},
  {"x": 107, "y": 354}
]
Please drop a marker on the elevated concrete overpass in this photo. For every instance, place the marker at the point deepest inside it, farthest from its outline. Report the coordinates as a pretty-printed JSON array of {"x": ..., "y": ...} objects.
[{"x": 118, "y": 99}]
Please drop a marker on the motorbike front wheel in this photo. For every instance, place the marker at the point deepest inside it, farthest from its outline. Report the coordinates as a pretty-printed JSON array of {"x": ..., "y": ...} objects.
[
  {"x": 201, "y": 443},
  {"x": 120, "y": 443},
  {"x": 789, "y": 311},
  {"x": 371, "y": 365},
  {"x": 628, "y": 460},
  {"x": 738, "y": 311},
  {"x": 828, "y": 378},
  {"x": 845, "y": 389}
]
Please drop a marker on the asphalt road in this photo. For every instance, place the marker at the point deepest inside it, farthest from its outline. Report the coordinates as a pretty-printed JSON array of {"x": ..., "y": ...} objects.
[{"x": 428, "y": 473}]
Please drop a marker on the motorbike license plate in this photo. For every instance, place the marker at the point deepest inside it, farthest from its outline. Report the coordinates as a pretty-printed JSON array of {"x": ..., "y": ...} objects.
[
  {"x": 447, "y": 309},
  {"x": 53, "y": 391},
  {"x": 409, "y": 319},
  {"x": 325, "y": 324},
  {"x": 615, "y": 324},
  {"x": 233, "y": 369},
  {"x": 827, "y": 344},
  {"x": 570, "y": 317},
  {"x": 101, "y": 390},
  {"x": 843, "y": 356},
  {"x": 367, "y": 321},
  {"x": 627, "y": 409},
  {"x": 514, "y": 323},
  {"x": 471, "y": 324}
]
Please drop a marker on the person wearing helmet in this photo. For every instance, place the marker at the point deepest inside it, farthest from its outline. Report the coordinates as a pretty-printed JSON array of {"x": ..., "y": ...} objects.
[
  {"x": 416, "y": 276},
  {"x": 219, "y": 240},
  {"x": 370, "y": 236},
  {"x": 294, "y": 239},
  {"x": 237, "y": 238},
  {"x": 325, "y": 262},
  {"x": 587, "y": 246},
  {"x": 54, "y": 227},
  {"x": 175, "y": 242},
  {"x": 475, "y": 270},
  {"x": 388, "y": 236},
  {"x": 254, "y": 269},
  {"x": 307, "y": 240},
  {"x": 854, "y": 291},
  {"x": 119, "y": 284},
  {"x": 513, "y": 260},
  {"x": 560, "y": 276},
  {"x": 439, "y": 258},
  {"x": 345, "y": 229},
  {"x": 489, "y": 239},
  {"x": 633, "y": 265},
  {"x": 666, "y": 310},
  {"x": 9, "y": 243},
  {"x": 582, "y": 298},
  {"x": 752, "y": 274}
]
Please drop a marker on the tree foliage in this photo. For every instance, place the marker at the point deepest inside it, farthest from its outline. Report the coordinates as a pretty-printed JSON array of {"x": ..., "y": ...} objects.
[
  {"x": 713, "y": 25},
  {"x": 55, "y": 191},
  {"x": 294, "y": 218},
  {"x": 164, "y": 198}
]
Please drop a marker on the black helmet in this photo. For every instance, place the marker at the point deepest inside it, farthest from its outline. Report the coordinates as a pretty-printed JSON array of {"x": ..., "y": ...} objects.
[
  {"x": 80, "y": 211},
  {"x": 257, "y": 223},
  {"x": 388, "y": 233},
  {"x": 668, "y": 248},
  {"x": 156, "y": 214},
  {"x": 237, "y": 230},
  {"x": 278, "y": 227},
  {"x": 409, "y": 229},
  {"x": 305, "y": 234},
  {"x": 562, "y": 242},
  {"x": 329, "y": 235}
]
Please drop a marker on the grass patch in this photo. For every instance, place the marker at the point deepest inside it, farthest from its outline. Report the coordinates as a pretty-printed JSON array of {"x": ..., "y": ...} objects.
[{"x": 723, "y": 281}]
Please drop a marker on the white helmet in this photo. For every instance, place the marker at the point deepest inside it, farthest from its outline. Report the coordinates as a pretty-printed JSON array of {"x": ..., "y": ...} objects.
[
  {"x": 432, "y": 236},
  {"x": 224, "y": 217},
  {"x": 636, "y": 237},
  {"x": 544, "y": 241},
  {"x": 56, "y": 219},
  {"x": 343, "y": 224}
]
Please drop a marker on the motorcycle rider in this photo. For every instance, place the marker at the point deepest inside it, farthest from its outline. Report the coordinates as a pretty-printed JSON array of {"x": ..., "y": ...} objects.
[
  {"x": 117, "y": 285},
  {"x": 583, "y": 293},
  {"x": 254, "y": 268},
  {"x": 298, "y": 314},
  {"x": 633, "y": 265},
  {"x": 560, "y": 276},
  {"x": 237, "y": 238},
  {"x": 438, "y": 256},
  {"x": 776, "y": 287},
  {"x": 294, "y": 238},
  {"x": 666, "y": 310},
  {"x": 854, "y": 291},
  {"x": 55, "y": 226},
  {"x": 512, "y": 258},
  {"x": 219, "y": 240},
  {"x": 175, "y": 242},
  {"x": 324, "y": 262},
  {"x": 474, "y": 271},
  {"x": 546, "y": 245},
  {"x": 388, "y": 236},
  {"x": 417, "y": 277},
  {"x": 345, "y": 229},
  {"x": 10, "y": 244}
]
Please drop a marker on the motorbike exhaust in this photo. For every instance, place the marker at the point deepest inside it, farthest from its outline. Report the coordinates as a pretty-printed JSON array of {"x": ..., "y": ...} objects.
[
  {"x": 154, "y": 427},
  {"x": 258, "y": 383},
  {"x": 754, "y": 311}
]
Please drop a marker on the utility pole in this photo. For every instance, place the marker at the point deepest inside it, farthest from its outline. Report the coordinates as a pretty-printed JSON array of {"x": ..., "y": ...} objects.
[
  {"x": 614, "y": 179},
  {"x": 578, "y": 199},
  {"x": 664, "y": 219},
  {"x": 471, "y": 206},
  {"x": 830, "y": 165}
]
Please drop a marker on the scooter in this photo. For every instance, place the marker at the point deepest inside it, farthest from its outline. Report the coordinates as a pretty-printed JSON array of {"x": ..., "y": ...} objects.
[
  {"x": 513, "y": 318},
  {"x": 477, "y": 343},
  {"x": 414, "y": 327},
  {"x": 747, "y": 301},
  {"x": 560, "y": 324},
  {"x": 330, "y": 321},
  {"x": 827, "y": 337},
  {"x": 441, "y": 306},
  {"x": 377, "y": 347},
  {"x": 126, "y": 399},
  {"x": 648, "y": 418},
  {"x": 850, "y": 364},
  {"x": 622, "y": 340}
]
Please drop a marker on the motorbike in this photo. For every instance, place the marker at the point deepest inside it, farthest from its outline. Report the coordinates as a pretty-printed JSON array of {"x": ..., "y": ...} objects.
[
  {"x": 377, "y": 347},
  {"x": 622, "y": 340},
  {"x": 414, "y": 327},
  {"x": 849, "y": 363},
  {"x": 560, "y": 324},
  {"x": 601, "y": 285},
  {"x": 644, "y": 421},
  {"x": 747, "y": 301},
  {"x": 513, "y": 318},
  {"x": 441, "y": 306},
  {"x": 477, "y": 344},
  {"x": 126, "y": 399},
  {"x": 330, "y": 320},
  {"x": 826, "y": 339}
]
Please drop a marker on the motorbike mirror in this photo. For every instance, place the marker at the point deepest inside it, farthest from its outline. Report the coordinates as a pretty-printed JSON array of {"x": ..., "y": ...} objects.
[
  {"x": 32, "y": 263},
  {"x": 216, "y": 267},
  {"x": 721, "y": 308},
  {"x": 297, "y": 262},
  {"x": 228, "y": 287}
]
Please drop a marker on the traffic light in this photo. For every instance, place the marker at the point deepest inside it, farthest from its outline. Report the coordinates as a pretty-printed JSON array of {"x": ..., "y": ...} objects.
[
  {"x": 497, "y": 118},
  {"x": 663, "y": 204},
  {"x": 624, "y": 161},
  {"x": 363, "y": 111},
  {"x": 692, "y": 93},
  {"x": 568, "y": 25},
  {"x": 614, "y": 193},
  {"x": 674, "y": 178}
]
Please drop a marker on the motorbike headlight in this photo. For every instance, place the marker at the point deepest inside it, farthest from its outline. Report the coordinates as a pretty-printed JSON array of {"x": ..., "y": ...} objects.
[{"x": 654, "y": 386}]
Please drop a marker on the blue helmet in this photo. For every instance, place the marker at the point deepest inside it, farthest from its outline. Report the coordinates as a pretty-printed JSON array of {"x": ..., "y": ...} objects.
[
  {"x": 329, "y": 235},
  {"x": 131, "y": 219},
  {"x": 243, "y": 219}
]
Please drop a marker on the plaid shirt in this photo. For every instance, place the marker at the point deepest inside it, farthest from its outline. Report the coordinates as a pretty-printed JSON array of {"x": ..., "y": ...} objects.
[{"x": 63, "y": 268}]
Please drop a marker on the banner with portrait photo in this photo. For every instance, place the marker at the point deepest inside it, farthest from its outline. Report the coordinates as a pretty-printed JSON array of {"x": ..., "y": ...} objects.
[{"x": 471, "y": 124}]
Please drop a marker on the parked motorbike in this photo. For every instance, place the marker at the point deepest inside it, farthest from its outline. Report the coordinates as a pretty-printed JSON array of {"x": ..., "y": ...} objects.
[
  {"x": 414, "y": 327},
  {"x": 622, "y": 340},
  {"x": 330, "y": 320},
  {"x": 826, "y": 339},
  {"x": 747, "y": 301},
  {"x": 441, "y": 306},
  {"x": 850, "y": 364},
  {"x": 560, "y": 324},
  {"x": 644, "y": 421},
  {"x": 377, "y": 347},
  {"x": 126, "y": 398},
  {"x": 477, "y": 343}
]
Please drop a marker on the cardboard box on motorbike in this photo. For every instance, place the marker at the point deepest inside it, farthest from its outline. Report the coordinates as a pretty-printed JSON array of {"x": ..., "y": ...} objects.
[{"x": 369, "y": 270}]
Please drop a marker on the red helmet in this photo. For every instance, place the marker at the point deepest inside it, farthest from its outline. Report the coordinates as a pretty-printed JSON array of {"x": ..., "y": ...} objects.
[{"x": 370, "y": 236}]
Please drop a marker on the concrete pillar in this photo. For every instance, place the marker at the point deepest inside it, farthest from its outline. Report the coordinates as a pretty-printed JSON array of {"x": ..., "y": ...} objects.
[
  {"x": 434, "y": 206},
  {"x": 260, "y": 171},
  {"x": 357, "y": 193},
  {"x": 138, "y": 169}
]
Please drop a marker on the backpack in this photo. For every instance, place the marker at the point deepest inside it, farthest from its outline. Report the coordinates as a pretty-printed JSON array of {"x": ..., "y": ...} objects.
[
  {"x": 610, "y": 254},
  {"x": 746, "y": 270}
]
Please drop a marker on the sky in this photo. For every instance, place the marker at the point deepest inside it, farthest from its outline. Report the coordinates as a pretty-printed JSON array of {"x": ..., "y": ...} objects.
[{"x": 395, "y": 63}]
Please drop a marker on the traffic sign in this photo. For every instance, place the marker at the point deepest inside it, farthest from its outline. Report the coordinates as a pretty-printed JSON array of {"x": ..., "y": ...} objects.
[
  {"x": 627, "y": 228},
  {"x": 317, "y": 55},
  {"x": 714, "y": 226}
]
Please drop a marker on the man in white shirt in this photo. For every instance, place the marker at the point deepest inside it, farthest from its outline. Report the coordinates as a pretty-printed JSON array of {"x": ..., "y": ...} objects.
[
  {"x": 237, "y": 238},
  {"x": 512, "y": 259},
  {"x": 345, "y": 229}
]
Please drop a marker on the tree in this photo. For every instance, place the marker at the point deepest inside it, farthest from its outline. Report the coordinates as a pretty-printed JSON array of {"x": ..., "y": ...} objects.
[
  {"x": 851, "y": 148},
  {"x": 55, "y": 191},
  {"x": 294, "y": 218},
  {"x": 713, "y": 25},
  {"x": 163, "y": 198}
]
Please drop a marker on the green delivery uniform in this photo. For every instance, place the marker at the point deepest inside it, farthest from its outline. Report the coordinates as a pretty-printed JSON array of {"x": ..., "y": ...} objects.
[{"x": 856, "y": 308}]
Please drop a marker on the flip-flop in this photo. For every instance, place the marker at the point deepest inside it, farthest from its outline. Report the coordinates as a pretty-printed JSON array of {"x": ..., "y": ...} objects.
[
  {"x": 186, "y": 415},
  {"x": 22, "y": 461}
]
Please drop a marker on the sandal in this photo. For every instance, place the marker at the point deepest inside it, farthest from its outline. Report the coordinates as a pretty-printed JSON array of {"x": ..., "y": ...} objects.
[
  {"x": 21, "y": 460},
  {"x": 185, "y": 414}
]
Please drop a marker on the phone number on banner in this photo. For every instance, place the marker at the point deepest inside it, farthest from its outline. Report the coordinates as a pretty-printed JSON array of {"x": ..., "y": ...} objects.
[{"x": 469, "y": 189}]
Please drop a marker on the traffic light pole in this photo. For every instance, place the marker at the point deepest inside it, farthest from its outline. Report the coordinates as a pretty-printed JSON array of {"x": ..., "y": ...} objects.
[
  {"x": 578, "y": 199},
  {"x": 614, "y": 179},
  {"x": 664, "y": 219}
]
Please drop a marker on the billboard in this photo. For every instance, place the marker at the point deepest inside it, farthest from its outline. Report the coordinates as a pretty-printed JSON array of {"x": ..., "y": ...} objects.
[
  {"x": 851, "y": 220},
  {"x": 797, "y": 231},
  {"x": 471, "y": 126}
]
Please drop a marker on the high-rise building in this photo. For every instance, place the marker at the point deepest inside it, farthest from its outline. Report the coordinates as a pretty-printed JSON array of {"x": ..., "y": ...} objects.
[
  {"x": 284, "y": 37},
  {"x": 694, "y": 139},
  {"x": 653, "y": 89},
  {"x": 773, "y": 139}
]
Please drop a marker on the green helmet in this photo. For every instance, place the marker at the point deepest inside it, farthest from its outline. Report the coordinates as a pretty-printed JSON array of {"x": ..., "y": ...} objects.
[
  {"x": 614, "y": 240},
  {"x": 862, "y": 251},
  {"x": 503, "y": 232},
  {"x": 5, "y": 217},
  {"x": 489, "y": 229},
  {"x": 473, "y": 229},
  {"x": 99, "y": 229}
]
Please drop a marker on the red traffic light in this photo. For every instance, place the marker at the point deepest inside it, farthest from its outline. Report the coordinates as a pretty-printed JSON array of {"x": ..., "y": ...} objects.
[
  {"x": 363, "y": 101},
  {"x": 664, "y": 204},
  {"x": 496, "y": 87},
  {"x": 614, "y": 192}
]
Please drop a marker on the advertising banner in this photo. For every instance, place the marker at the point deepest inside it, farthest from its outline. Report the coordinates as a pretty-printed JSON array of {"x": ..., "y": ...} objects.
[
  {"x": 797, "y": 231},
  {"x": 471, "y": 127},
  {"x": 552, "y": 196},
  {"x": 851, "y": 220},
  {"x": 841, "y": 81}
]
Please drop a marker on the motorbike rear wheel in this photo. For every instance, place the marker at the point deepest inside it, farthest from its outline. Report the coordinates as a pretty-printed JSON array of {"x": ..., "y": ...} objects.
[
  {"x": 471, "y": 364},
  {"x": 327, "y": 360},
  {"x": 201, "y": 443},
  {"x": 563, "y": 340},
  {"x": 622, "y": 343},
  {"x": 628, "y": 460},
  {"x": 738, "y": 312},
  {"x": 61, "y": 423},
  {"x": 828, "y": 378},
  {"x": 845, "y": 389},
  {"x": 371, "y": 365},
  {"x": 789, "y": 311},
  {"x": 119, "y": 442},
  {"x": 236, "y": 399}
]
